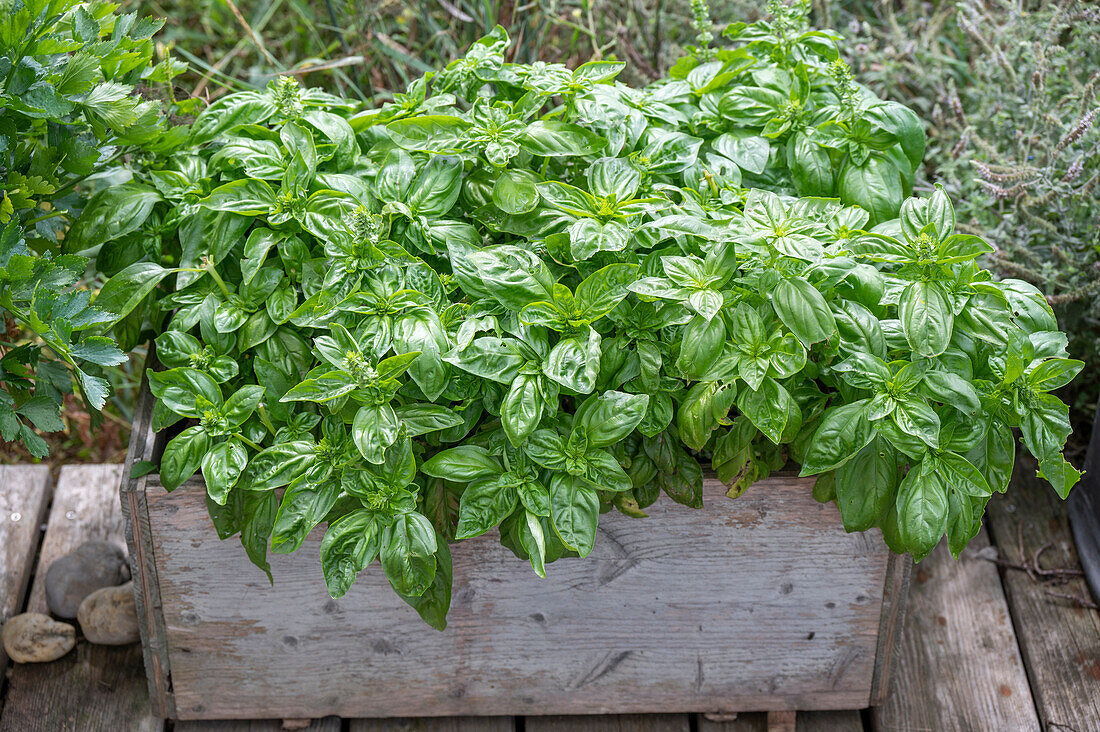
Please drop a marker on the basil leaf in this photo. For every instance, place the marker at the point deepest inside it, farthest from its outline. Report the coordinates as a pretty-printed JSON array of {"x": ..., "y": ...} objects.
[
  {"x": 349, "y": 545},
  {"x": 408, "y": 554},
  {"x": 485, "y": 503},
  {"x": 183, "y": 456},
  {"x": 574, "y": 508},
  {"x": 802, "y": 309}
]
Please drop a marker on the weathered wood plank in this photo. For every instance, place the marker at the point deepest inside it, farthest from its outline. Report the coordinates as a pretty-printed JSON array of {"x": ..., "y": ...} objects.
[
  {"x": 94, "y": 687},
  {"x": 24, "y": 496},
  {"x": 609, "y": 723},
  {"x": 959, "y": 666},
  {"x": 438, "y": 724},
  {"x": 781, "y": 721},
  {"x": 894, "y": 605},
  {"x": 85, "y": 508},
  {"x": 145, "y": 445},
  {"x": 838, "y": 721},
  {"x": 328, "y": 724},
  {"x": 763, "y": 602},
  {"x": 1060, "y": 642}
]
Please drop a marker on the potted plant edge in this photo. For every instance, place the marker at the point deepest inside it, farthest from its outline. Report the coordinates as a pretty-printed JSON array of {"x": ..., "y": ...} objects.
[{"x": 518, "y": 297}]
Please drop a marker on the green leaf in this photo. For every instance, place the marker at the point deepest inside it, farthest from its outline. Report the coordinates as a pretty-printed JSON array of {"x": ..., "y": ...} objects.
[
  {"x": 122, "y": 293},
  {"x": 408, "y": 554},
  {"x": 553, "y": 138},
  {"x": 462, "y": 464},
  {"x": 350, "y": 544},
  {"x": 279, "y": 465},
  {"x": 610, "y": 417},
  {"x": 43, "y": 412},
  {"x": 322, "y": 388},
  {"x": 604, "y": 472},
  {"x": 866, "y": 486},
  {"x": 522, "y": 408},
  {"x": 183, "y": 456},
  {"x": 575, "y": 362},
  {"x": 843, "y": 432},
  {"x": 1060, "y": 474},
  {"x": 373, "y": 430},
  {"x": 187, "y": 392},
  {"x": 604, "y": 289},
  {"x": 926, "y": 318},
  {"x": 421, "y": 419},
  {"x": 515, "y": 192},
  {"x": 922, "y": 510},
  {"x": 960, "y": 475},
  {"x": 547, "y": 448},
  {"x": 303, "y": 507},
  {"x": 222, "y": 467},
  {"x": 876, "y": 187},
  {"x": 1045, "y": 426},
  {"x": 767, "y": 407},
  {"x": 485, "y": 503},
  {"x": 250, "y": 197},
  {"x": 436, "y": 188},
  {"x": 803, "y": 309},
  {"x": 575, "y": 509}
]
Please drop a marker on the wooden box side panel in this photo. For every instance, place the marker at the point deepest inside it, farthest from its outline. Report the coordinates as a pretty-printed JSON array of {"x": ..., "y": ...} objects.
[
  {"x": 757, "y": 603},
  {"x": 146, "y": 445}
]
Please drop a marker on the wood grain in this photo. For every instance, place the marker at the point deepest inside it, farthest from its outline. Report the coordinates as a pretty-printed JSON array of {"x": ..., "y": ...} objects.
[
  {"x": 24, "y": 496},
  {"x": 146, "y": 445},
  {"x": 610, "y": 723},
  {"x": 759, "y": 603},
  {"x": 85, "y": 508},
  {"x": 959, "y": 667},
  {"x": 894, "y": 605},
  {"x": 93, "y": 687},
  {"x": 1060, "y": 642},
  {"x": 440, "y": 724},
  {"x": 781, "y": 721}
]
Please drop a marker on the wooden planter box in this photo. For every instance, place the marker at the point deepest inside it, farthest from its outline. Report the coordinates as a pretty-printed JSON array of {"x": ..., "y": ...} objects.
[{"x": 760, "y": 603}]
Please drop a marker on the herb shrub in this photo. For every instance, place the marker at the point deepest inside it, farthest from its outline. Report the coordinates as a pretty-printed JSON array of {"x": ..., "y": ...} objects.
[
  {"x": 518, "y": 296},
  {"x": 68, "y": 112}
]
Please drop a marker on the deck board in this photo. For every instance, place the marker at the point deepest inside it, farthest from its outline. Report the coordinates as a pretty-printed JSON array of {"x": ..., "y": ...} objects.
[
  {"x": 1060, "y": 642},
  {"x": 24, "y": 496},
  {"x": 959, "y": 666},
  {"x": 93, "y": 687}
]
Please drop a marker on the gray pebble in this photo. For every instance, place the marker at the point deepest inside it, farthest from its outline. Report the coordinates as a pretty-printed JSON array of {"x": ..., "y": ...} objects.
[{"x": 91, "y": 566}]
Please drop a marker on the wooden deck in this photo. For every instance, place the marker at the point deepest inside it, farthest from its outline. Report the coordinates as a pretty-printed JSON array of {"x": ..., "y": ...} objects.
[{"x": 997, "y": 641}]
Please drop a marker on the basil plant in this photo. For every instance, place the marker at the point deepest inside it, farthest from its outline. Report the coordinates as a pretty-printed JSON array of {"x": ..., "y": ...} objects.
[{"x": 518, "y": 296}]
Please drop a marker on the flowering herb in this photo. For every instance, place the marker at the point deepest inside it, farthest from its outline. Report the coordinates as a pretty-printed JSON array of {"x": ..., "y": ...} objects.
[{"x": 520, "y": 296}]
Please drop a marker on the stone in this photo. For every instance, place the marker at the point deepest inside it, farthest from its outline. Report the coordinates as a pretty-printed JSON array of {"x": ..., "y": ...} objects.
[
  {"x": 89, "y": 567},
  {"x": 108, "y": 617},
  {"x": 36, "y": 638}
]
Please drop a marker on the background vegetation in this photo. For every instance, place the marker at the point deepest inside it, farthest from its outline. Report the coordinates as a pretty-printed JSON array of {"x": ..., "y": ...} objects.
[{"x": 1007, "y": 90}]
